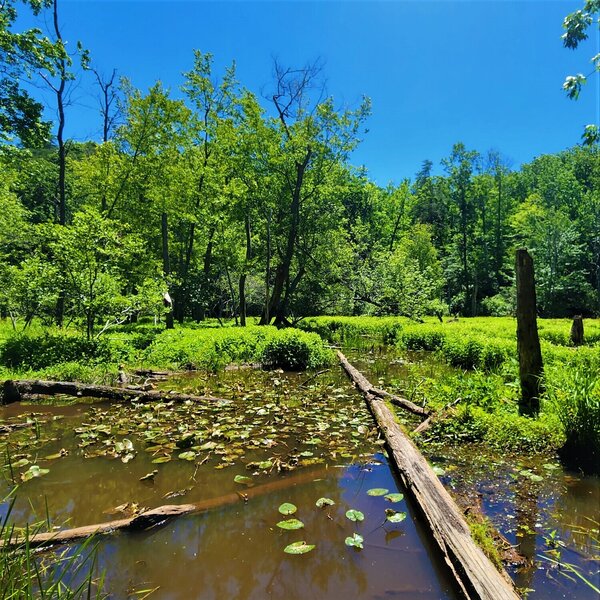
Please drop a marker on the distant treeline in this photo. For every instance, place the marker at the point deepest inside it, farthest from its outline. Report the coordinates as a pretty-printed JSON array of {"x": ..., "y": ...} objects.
[{"x": 212, "y": 205}]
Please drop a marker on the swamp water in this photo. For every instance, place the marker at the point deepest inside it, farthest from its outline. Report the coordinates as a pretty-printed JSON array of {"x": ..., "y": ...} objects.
[
  {"x": 105, "y": 461},
  {"x": 551, "y": 515}
]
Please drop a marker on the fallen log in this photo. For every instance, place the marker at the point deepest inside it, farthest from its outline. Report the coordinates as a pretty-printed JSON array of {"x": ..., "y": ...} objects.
[
  {"x": 9, "y": 427},
  {"x": 158, "y": 516},
  {"x": 428, "y": 422},
  {"x": 17, "y": 390},
  {"x": 472, "y": 570},
  {"x": 364, "y": 384}
]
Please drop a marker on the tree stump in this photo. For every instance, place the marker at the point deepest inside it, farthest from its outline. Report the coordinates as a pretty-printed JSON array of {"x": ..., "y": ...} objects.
[
  {"x": 528, "y": 342},
  {"x": 577, "y": 330}
]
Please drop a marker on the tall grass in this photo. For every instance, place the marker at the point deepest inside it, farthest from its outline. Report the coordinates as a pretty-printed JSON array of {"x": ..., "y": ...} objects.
[
  {"x": 576, "y": 399},
  {"x": 56, "y": 575}
]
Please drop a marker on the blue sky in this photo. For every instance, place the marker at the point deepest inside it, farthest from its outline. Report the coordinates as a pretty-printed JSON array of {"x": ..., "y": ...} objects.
[{"x": 488, "y": 73}]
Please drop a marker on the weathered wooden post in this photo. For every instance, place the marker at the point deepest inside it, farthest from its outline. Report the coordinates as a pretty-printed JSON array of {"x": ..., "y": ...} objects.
[
  {"x": 577, "y": 330},
  {"x": 528, "y": 342}
]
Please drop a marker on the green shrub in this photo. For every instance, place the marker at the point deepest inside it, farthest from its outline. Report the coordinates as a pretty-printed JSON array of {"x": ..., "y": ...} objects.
[
  {"x": 463, "y": 353},
  {"x": 422, "y": 338},
  {"x": 293, "y": 350},
  {"x": 576, "y": 400},
  {"x": 212, "y": 349},
  {"x": 38, "y": 352},
  {"x": 503, "y": 429},
  {"x": 207, "y": 348}
]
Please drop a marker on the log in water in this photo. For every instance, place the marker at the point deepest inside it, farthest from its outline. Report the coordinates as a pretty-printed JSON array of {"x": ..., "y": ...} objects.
[{"x": 477, "y": 577}]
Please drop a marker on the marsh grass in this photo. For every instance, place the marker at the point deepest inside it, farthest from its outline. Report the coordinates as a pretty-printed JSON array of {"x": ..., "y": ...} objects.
[
  {"x": 57, "y": 575},
  {"x": 575, "y": 397}
]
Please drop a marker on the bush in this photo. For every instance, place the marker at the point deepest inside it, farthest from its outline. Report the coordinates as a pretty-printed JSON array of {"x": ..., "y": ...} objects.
[
  {"x": 212, "y": 349},
  {"x": 293, "y": 350},
  {"x": 576, "y": 400},
  {"x": 39, "y": 352},
  {"x": 422, "y": 338},
  {"x": 463, "y": 353},
  {"x": 207, "y": 348}
]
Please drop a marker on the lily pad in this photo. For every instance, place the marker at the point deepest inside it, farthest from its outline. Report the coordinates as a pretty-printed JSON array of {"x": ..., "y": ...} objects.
[
  {"x": 321, "y": 502},
  {"x": 355, "y": 515},
  {"x": 161, "y": 459},
  {"x": 396, "y": 497},
  {"x": 34, "y": 471},
  {"x": 377, "y": 492},
  {"x": 393, "y": 516},
  {"x": 355, "y": 541},
  {"x": 190, "y": 455},
  {"x": 287, "y": 508},
  {"x": 290, "y": 524},
  {"x": 298, "y": 548},
  {"x": 243, "y": 479}
]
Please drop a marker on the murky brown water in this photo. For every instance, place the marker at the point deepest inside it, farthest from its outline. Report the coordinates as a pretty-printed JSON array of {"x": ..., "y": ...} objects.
[
  {"x": 321, "y": 427},
  {"x": 235, "y": 551}
]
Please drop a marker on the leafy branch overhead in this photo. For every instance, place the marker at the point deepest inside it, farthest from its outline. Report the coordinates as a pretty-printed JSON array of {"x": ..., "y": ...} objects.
[{"x": 576, "y": 26}]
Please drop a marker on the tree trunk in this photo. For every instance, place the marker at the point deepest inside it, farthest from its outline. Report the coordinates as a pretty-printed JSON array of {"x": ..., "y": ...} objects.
[
  {"x": 473, "y": 572},
  {"x": 528, "y": 342},
  {"x": 243, "y": 275},
  {"x": 267, "y": 314},
  {"x": 166, "y": 262},
  {"x": 577, "y": 331},
  {"x": 157, "y": 516},
  {"x": 18, "y": 390},
  {"x": 283, "y": 270}
]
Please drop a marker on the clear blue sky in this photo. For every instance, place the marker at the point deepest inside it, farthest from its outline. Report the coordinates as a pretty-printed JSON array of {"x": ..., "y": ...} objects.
[{"x": 487, "y": 73}]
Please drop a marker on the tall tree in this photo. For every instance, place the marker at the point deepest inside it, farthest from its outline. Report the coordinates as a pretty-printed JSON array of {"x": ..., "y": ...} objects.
[{"x": 312, "y": 138}]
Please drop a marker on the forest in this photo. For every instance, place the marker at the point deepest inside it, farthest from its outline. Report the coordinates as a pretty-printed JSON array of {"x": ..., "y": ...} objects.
[{"x": 236, "y": 203}]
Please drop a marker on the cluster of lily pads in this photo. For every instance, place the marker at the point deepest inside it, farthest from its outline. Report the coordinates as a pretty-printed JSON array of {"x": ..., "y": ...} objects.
[
  {"x": 268, "y": 424},
  {"x": 352, "y": 514},
  {"x": 275, "y": 435}
]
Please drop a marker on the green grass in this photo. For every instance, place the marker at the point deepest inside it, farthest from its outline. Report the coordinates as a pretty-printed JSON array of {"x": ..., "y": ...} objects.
[
  {"x": 65, "y": 355},
  {"x": 66, "y": 574}
]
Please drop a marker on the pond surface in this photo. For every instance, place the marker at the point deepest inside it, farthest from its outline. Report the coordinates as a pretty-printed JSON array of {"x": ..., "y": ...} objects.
[
  {"x": 551, "y": 515},
  {"x": 104, "y": 462}
]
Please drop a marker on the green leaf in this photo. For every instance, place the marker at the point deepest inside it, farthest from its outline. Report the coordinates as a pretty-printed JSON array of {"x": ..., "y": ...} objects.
[
  {"x": 161, "y": 459},
  {"x": 355, "y": 540},
  {"x": 190, "y": 455},
  {"x": 393, "y": 516},
  {"x": 287, "y": 508},
  {"x": 377, "y": 492},
  {"x": 243, "y": 479},
  {"x": 438, "y": 470},
  {"x": 394, "y": 497},
  {"x": 355, "y": 515},
  {"x": 299, "y": 548},
  {"x": 290, "y": 524},
  {"x": 321, "y": 502},
  {"x": 34, "y": 471}
]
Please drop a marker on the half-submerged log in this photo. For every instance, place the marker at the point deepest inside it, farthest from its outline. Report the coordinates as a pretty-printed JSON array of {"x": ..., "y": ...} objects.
[
  {"x": 577, "y": 331},
  {"x": 364, "y": 384},
  {"x": 16, "y": 390},
  {"x": 472, "y": 570},
  {"x": 528, "y": 342},
  {"x": 158, "y": 516}
]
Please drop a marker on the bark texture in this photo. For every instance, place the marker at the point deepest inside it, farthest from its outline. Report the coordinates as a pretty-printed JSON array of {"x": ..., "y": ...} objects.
[
  {"x": 473, "y": 572},
  {"x": 528, "y": 342}
]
